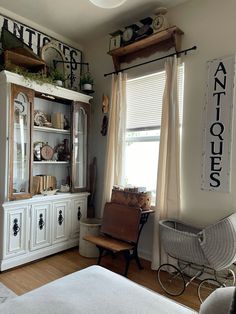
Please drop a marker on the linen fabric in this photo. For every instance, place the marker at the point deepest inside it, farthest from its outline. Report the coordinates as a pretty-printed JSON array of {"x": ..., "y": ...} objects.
[
  {"x": 115, "y": 152},
  {"x": 219, "y": 302},
  {"x": 93, "y": 290},
  {"x": 168, "y": 203}
]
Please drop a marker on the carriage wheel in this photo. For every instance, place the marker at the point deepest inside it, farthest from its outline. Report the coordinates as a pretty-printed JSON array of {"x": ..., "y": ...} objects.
[
  {"x": 171, "y": 279},
  {"x": 206, "y": 287}
]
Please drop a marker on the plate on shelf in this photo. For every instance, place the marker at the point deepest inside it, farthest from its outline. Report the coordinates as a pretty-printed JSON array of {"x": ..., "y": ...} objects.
[
  {"x": 47, "y": 152},
  {"x": 39, "y": 118}
]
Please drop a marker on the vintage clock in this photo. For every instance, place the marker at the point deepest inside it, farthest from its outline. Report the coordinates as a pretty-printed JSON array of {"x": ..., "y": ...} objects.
[
  {"x": 47, "y": 152},
  {"x": 160, "y": 21},
  {"x": 129, "y": 34}
]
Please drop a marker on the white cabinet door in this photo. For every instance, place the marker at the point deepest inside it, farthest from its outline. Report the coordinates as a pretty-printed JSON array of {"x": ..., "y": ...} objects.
[
  {"x": 15, "y": 235},
  {"x": 60, "y": 221},
  {"x": 78, "y": 212},
  {"x": 40, "y": 226}
]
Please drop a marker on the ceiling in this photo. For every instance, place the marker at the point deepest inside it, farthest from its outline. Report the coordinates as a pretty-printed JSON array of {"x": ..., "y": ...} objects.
[{"x": 80, "y": 20}]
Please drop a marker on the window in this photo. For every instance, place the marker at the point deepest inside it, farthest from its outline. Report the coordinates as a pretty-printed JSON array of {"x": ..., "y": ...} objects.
[{"x": 144, "y": 108}]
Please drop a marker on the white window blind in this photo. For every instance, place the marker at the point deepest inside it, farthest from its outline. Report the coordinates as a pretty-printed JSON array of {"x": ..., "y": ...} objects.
[
  {"x": 144, "y": 110},
  {"x": 144, "y": 99}
]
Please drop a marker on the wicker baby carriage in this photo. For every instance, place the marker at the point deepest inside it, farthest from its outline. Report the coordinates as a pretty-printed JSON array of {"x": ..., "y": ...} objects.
[{"x": 200, "y": 253}]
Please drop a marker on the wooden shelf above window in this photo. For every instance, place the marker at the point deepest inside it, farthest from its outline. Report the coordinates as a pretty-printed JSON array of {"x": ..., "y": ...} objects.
[{"x": 163, "y": 40}]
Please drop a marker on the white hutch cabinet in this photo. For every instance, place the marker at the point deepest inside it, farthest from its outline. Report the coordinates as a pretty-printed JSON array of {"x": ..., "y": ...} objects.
[{"x": 32, "y": 225}]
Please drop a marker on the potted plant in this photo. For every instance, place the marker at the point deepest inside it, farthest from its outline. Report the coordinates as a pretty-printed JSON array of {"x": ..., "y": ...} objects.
[
  {"x": 86, "y": 81},
  {"x": 57, "y": 77}
]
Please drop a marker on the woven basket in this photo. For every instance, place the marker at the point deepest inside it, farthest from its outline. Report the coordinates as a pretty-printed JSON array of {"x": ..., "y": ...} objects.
[
  {"x": 181, "y": 241},
  {"x": 213, "y": 246},
  {"x": 141, "y": 199}
]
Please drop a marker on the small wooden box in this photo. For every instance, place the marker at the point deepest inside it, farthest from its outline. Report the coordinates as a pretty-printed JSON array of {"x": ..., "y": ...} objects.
[{"x": 16, "y": 57}]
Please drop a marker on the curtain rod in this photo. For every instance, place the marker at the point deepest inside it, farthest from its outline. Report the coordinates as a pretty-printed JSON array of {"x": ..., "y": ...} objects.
[{"x": 177, "y": 53}]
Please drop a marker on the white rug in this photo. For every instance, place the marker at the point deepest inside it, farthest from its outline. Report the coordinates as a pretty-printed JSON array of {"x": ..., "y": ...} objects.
[{"x": 5, "y": 293}]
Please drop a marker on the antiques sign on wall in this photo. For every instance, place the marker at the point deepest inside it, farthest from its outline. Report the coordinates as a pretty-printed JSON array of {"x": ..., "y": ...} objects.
[
  {"x": 217, "y": 132},
  {"x": 36, "y": 40}
]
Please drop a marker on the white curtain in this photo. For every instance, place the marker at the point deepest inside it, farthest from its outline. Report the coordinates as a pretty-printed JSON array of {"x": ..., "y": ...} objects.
[
  {"x": 115, "y": 153},
  {"x": 168, "y": 177}
]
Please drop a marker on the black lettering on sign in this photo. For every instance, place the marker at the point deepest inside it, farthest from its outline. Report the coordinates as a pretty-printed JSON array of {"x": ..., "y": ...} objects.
[
  {"x": 217, "y": 129},
  {"x": 214, "y": 178},
  {"x": 18, "y": 31},
  {"x": 217, "y": 113},
  {"x": 218, "y": 97},
  {"x": 220, "y": 148},
  {"x": 215, "y": 161},
  {"x": 31, "y": 33},
  {"x": 64, "y": 50},
  {"x": 73, "y": 53},
  {"x": 217, "y": 81},
  {"x": 38, "y": 44},
  {"x": 46, "y": 40},
  {"x": 220, "y": 68}
]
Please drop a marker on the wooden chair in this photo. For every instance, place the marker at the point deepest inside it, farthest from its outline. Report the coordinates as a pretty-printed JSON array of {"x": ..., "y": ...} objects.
[{"x": 119, "y": 232}]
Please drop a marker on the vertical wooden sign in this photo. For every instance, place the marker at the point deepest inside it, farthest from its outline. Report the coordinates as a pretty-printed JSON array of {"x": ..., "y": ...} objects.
[{"x": 217, "y": 132}]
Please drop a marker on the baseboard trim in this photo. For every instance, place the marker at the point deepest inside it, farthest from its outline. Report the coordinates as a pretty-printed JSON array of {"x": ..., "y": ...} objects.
[{"x": 145, "y": 255}]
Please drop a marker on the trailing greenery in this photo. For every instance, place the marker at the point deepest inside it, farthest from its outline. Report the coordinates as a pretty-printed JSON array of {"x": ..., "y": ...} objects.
[
  {"x": 39, "y": 77},
  {"x": 86, "y": 78}
]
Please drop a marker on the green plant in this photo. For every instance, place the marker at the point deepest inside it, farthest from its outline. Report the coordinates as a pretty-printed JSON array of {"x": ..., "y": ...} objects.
[
  {"x": 39, "y": 78},
  {"x": 57, "y": 76},
  {"x": 86, "y": 78}
]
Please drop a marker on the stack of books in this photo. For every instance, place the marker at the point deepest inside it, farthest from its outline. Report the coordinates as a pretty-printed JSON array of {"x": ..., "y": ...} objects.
[{"x": 42, "y": 183}]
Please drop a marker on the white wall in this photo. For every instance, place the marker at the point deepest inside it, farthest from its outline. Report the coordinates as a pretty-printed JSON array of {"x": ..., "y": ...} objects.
[
  {"x": 211, "y": 25},
  {"x": 100, "y": 63}
]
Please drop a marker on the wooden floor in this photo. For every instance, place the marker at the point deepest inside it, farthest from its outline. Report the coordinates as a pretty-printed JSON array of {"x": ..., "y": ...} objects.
[{"x": 36, "y": 274}]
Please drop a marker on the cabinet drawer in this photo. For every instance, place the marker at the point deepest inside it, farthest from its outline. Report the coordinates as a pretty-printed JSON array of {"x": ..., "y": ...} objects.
[
  {"x": 40, "y": 226},
  {"x": 15, "y": 239},
  {"x": 78, "y": 212},
  {"x": 60, "y": 223}
]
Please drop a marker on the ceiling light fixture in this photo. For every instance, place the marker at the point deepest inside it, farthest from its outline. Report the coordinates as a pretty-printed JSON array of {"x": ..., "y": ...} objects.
[{"x": 107, "y": 4}]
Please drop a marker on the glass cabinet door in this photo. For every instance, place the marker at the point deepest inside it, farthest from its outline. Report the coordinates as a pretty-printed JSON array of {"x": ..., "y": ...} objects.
[
  {"x": 80, "y": 147},
  {"x": 20, "y": 142}
]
